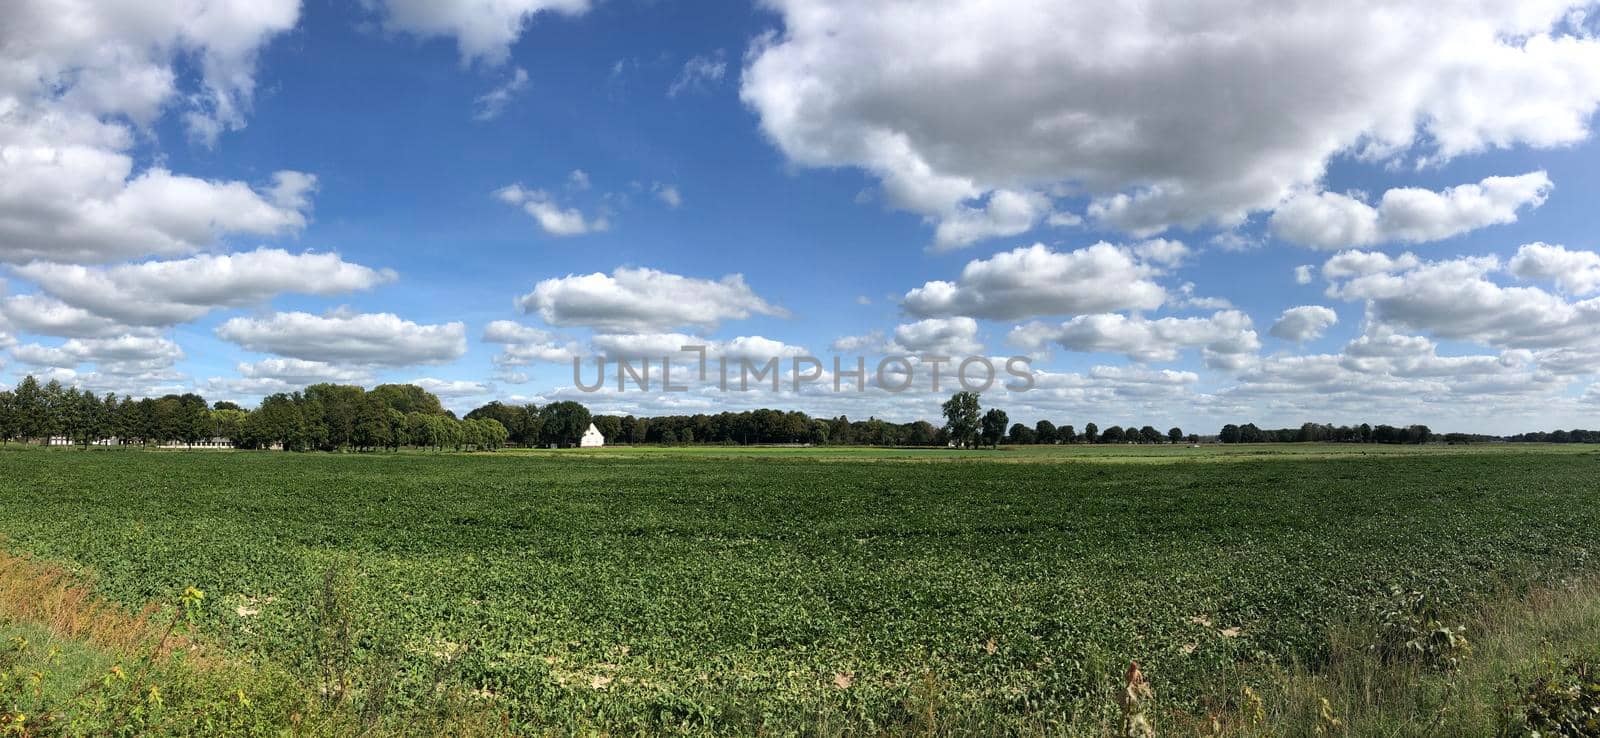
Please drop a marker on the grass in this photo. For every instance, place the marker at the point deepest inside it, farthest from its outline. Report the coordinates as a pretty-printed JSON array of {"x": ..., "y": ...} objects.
[{"x": 815, "y": 590}]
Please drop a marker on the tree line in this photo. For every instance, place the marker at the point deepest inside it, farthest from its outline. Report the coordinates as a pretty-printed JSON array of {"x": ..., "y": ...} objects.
[
  {"x": 324, "y": 417},
  {"x": 1576, "y": 435},
  {"x": 1320, "y": 433},
  {"x": 330, "y": 417}
]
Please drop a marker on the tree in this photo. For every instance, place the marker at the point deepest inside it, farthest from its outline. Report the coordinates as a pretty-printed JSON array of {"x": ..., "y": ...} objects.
[
  {"x": 1112, "y": 435},
  {"x": 1091, "y": 433},
  {"x": 1066, "y": 434},
  {"x": 1021, "y": 435},
  {"x": 961, "y": 419},
  {"x": 1148, "y": 434},
  {"x": 1175, "y": 434},
  {"x": 994, "y": 426},
  {"x": 228, "y": 423},
  {"x": 408, "y": 398},
  {"x": 1229, "y": 434},
  {"x": 31, "y": 421},
  {"x": 340, "y": 404},
  {"x": 609, "y": 426},
  {"x": 520, "y": 421},
  {"x": 8, "y": 416},
  {"x": 371, "y": 429},
  {"x": 563, "y": 423},
  {"x": 1044, "y": 431},
  {"x": 277, "y": 421}
]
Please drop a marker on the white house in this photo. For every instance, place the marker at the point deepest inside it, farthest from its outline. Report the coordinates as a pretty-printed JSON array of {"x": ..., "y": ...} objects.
[{"x": 592, "y": 438}]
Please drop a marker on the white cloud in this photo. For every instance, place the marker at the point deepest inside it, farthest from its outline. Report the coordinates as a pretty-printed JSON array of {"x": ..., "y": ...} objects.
[
  {"x": 645, "y": 345},
  {"x": 1037, "y": 281},
  {"x": 1409, "y": 215},
  {"x": 668, "y": 194},
  {"x": 47, "y": 316},
  {"x": 641, "y": 300},
  {"x": 162, "y": 293},
  {"x": 1456, "y": 299},
  {"x": 269, "y": 376},
  {"x": 1302, "y": 274},
  {"x": 552, "y": 218},
  {"x": 937, "y": 337},
  {"x": 482, "y": 30},
  {"x": 1227, "y": 337},
  {"x": 492, "y": 103},
  {"x": 1007, "y": 213},
  {"x": 1360, "y": 263},
  {"x": 79, "y": 78},
  {"x": 1575, "y": 272},
  {"x": 869, "y": 343},
  {"x": 453, "y": 388},
  {"x": 369, "y": 338},
  {"x": 120, "y": 355},
  {"x": 1163, "y": 251},
  {"x": 525, "y": 345},
  {"x": 299, "y": 372},
  {"x": 947, "y": 103},
  {"x": 699, "y": 73},
  {"x": 1304, "y": 323}
]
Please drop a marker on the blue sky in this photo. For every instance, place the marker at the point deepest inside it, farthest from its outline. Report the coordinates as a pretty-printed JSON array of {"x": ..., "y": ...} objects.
[{"x": 1130, "y": 199}]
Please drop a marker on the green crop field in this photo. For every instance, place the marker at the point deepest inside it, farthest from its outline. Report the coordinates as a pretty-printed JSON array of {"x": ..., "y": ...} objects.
[{"x": 710, "y": 589}]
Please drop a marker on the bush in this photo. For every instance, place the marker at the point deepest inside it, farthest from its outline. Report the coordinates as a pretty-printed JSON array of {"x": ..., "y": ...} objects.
[
  {"x": 1564, "y": 702},
  {"x": 1411, "y": 628}
]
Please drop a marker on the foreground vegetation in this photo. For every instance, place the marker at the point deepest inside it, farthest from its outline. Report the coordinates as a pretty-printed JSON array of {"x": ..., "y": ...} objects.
[{"x": 814, "y": 590}]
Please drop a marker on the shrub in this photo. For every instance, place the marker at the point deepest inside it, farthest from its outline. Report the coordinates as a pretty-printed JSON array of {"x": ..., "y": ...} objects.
[
  {"x": 1411, "y": 628},
  {"x": 1563, "y": 702}
]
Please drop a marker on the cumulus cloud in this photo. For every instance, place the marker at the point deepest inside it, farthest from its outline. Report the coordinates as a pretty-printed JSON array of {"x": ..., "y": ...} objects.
[
  {"x": 482, "y": 30},
  {"x": 1456, "y": 299},
  {"x": 642, "y": 300},
  {"x": 492, "y": 103},
  {"x": 1575, "y": 272},
  {"x": 78, "y": 78},
  {"x": 937, "y": 337},
  {"x": 1329, "y": 220},
  {"x": 1302, "y": 274},
  {"x": 1007, "y": 213},
  {"x": 163, "y": 293},
  {"x": 668, "y": 194},
  {"x": 1347, "y": 264},
  {"x": 269, "y": 376},
  {"x": 1304, "y": 323},
  {"x": 381, "y": 339},
  {"x": 1227, "y": 337},
  {"x": 120, "y": 355},
  {"x": 453, "y": 388},
  {"x": 946, "y": 104},
  {"x": 868, "y": 343},
  {"x": 699, "y": 73},
  {"x": 46, "y": 316},
  {"x": 551, "y": 216},
  {"x": 1038, "y": 281},
  {"x": 299, "y": 372},
  {"x": 1163, "y": 251},
  {"x": 524, "y": 345}
]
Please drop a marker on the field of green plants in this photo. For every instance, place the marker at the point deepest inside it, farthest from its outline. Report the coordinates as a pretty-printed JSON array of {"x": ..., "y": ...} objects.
[{"x": 726, "y": 590}]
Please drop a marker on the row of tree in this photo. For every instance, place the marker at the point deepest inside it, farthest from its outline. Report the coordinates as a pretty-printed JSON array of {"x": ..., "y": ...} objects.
[
  {"x": 1314, "y": 433},
  {"x": 390, "y": 416},
  {"x": 1576, "y": 435},
  {"x": 324, "y": 416}
]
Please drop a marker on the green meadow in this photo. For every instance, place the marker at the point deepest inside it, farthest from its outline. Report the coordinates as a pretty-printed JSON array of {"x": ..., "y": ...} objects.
[{"x": 806, "y": 590}]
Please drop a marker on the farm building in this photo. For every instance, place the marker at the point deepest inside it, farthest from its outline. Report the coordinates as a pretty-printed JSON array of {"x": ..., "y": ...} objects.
[{"x": 592, "y": 438}]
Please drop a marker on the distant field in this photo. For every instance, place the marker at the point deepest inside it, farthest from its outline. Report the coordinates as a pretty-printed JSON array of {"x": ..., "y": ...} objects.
[{"x": 650, "y": 588}]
